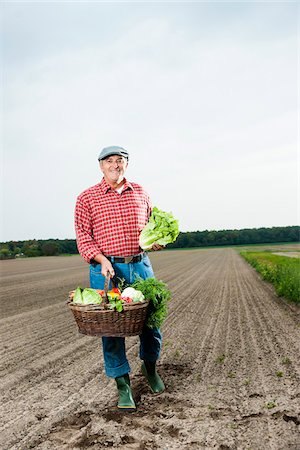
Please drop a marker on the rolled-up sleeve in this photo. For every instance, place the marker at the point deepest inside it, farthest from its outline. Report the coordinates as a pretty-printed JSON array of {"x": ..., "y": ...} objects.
[{"x": 86, "y": 244}]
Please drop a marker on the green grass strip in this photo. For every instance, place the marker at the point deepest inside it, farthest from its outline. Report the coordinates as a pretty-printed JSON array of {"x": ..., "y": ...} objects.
[{"x": 282, "y": 271}]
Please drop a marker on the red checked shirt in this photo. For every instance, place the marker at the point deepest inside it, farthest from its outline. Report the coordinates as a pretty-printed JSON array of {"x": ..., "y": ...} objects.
[{"x": 110, "y": 223}]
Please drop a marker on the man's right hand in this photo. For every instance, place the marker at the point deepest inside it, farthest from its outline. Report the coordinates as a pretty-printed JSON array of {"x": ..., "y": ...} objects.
[{"x": 106, "y": 266}]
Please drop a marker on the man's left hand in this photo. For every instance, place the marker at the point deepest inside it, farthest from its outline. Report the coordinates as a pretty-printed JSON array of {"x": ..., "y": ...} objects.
[{"x": 156, "y": 247}]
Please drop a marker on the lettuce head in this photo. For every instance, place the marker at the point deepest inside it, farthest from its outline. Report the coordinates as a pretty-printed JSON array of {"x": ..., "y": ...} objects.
[
  {"x": 162, "y": 229},
  {"x": 90, "y": 296},
  {"x": 78, "y": 296}
]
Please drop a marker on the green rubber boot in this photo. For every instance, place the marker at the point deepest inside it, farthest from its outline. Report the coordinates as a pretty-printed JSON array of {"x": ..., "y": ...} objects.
[
  {"x": 126, "y": 402},
  {"x": 155, "y": 382}
]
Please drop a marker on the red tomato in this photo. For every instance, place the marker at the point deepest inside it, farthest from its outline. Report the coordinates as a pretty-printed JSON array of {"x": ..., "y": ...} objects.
[{"x": 126, "y": 299}]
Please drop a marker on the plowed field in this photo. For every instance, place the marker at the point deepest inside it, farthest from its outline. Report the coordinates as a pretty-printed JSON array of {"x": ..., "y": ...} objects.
[{"x": 230, "y": 362}]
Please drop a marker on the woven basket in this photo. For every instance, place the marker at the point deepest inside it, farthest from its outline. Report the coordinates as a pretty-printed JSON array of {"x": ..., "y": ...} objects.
[{"x": 98, "y": 320}]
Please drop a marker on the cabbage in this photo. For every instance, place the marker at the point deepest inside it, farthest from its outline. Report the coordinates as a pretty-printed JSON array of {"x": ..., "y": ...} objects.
[
  {"x": 78, "y": 296},
  {"x": 161, "y": 229},
  {"x": 137, "y": 296},
  {"x": 90, "y": 296}
]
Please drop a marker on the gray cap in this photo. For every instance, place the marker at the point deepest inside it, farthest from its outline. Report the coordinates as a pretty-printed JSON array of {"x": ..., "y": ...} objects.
[{"x": 113, "y": 150}]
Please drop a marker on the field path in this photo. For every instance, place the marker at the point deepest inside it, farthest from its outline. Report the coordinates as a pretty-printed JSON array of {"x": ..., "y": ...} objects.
[{"x": 230, "y": 362}]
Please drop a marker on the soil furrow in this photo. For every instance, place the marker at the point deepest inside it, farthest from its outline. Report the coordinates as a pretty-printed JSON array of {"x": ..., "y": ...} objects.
[
  {"x": 282, "y": 339},
  {"x": 189, "y": 294},
  {"x": 256, "y": 384},
  {"x": 202, "y": 310},
  {"x": 225, "y": 340},
  {"x": 278, "y": 343},
  {"x": 59, "y": 337}
]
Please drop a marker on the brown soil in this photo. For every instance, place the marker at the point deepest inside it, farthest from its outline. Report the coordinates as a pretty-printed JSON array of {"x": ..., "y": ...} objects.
[{"x": 230, "y": 362}]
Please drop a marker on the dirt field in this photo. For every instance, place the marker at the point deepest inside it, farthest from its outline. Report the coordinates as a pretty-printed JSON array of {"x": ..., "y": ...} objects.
[{"x": 230, "y": 362}]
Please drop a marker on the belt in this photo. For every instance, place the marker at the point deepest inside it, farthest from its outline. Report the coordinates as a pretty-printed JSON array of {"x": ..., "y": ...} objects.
[{"x": 126, "y": 259}]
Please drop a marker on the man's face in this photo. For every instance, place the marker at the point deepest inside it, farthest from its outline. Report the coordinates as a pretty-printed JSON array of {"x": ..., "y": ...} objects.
[{"x": 113, "y": 168}]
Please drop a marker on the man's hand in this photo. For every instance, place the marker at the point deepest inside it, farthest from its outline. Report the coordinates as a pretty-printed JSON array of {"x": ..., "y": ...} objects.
[
  {"x": 106, "y": 266},
  {"x": 156, "y": 247}
]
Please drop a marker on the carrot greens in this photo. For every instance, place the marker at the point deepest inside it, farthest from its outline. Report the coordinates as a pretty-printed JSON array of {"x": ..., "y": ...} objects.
[{"x": 158, "y": 293}]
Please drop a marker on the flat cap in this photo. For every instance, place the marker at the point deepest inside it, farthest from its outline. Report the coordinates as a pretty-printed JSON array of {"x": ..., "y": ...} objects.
[{"x": 113, "y": 150}]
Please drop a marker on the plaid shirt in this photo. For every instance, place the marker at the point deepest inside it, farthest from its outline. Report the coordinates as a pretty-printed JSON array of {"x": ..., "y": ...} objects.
[{"x": 110, "y": 223}]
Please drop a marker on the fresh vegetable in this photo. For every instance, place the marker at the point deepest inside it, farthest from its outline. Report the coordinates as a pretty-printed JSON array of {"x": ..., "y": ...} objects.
[
  {"x": 90, "y": 296},
  {"x": 116, "y": 304},
  {"x": 161, "y": 228},
  {"x": 137, "y": 296},
  {"x": 113, "y": 295},
  {"x": 158, "y": 293},
  {"x": 87, "y": 296},
  {"x": 78, "y": 296},
  {"x": 128, "y": 292},
  {"x": 116, "y": 291},
  {"x": 100, "y": 292},
  {"x": 116, "y": 300},
  {"x": 126, "y": 299}
]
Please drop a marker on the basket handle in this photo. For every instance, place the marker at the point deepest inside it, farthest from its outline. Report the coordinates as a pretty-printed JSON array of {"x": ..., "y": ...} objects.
[{"x": 106, "y": 286}]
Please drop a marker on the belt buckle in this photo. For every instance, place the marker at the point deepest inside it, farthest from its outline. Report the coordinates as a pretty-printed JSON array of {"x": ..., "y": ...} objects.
[{"x": 128, "y": 259}]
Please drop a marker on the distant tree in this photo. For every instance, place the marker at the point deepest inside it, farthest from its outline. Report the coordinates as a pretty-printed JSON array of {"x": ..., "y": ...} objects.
[
  {"x": 50, "y": 248},
  {"x": 5, "y": 253},
  {"x": 68, "y": 246},
  {"x": 32, "y": 248},
  {"x": 187, "y": 239},
  {"x": 236, "y": 237}
]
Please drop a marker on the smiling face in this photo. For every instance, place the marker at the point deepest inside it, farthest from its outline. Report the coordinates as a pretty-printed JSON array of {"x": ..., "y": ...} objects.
[{"x": 113, "y": 168}]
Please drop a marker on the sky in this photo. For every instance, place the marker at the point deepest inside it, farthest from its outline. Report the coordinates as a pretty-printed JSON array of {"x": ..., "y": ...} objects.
[{"x": 203, "y": 95}]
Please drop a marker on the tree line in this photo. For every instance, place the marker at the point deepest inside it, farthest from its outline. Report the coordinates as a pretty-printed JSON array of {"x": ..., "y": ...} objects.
[
  {"x": 189, "y": 239},
  {"x": 37, "y": 247},
  {"x": 237, "y": 237}
]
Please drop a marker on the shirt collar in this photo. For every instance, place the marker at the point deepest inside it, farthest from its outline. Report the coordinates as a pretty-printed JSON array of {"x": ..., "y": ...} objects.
[{"x": 105, "y": 187}]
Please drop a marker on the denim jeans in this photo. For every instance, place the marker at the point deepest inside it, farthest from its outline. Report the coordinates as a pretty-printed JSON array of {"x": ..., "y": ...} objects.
[{"x": 114, "y": 351}]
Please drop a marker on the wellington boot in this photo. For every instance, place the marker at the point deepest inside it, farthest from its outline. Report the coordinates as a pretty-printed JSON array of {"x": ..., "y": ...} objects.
[
  {"x": 155, "y": 382},
  {"x": 126, "y": 402}
]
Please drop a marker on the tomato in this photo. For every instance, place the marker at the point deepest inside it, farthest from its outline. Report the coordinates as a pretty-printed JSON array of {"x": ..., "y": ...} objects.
[
  {"x": 100, "y": 291},
  {"x": 126, "y": 299}
]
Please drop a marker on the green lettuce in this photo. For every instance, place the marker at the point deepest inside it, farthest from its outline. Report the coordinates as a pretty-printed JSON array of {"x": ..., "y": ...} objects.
[
  {"x": 162, "y": 229},
  {"x": 90, "y": 296},
  {"x": 78, "y": 296}
]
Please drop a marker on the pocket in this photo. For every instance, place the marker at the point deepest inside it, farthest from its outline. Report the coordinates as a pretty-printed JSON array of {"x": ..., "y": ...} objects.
[
  {"x": 96, "y": 278},
  {"x": 148, "y": 267},
  {"x": 146, "y": 261},
  {"x": 95, "y": 269}
]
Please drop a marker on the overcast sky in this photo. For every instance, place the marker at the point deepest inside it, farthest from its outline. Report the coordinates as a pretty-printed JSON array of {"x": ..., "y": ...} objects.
[{"x": 203, "y": 95}]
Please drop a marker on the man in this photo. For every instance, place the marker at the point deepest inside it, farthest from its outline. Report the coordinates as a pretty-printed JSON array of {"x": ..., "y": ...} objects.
[{"x": 108, "y": 220}]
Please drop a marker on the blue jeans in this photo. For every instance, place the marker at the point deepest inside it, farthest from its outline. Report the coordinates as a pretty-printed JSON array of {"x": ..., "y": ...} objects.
[{"x": 114, "y": 352}]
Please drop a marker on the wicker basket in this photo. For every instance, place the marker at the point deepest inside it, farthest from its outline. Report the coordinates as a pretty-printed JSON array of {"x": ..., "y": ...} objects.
[{"x": 98, "y": 320}]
